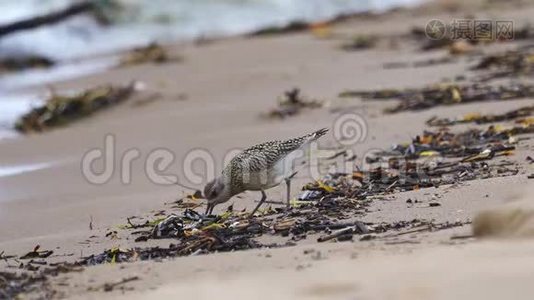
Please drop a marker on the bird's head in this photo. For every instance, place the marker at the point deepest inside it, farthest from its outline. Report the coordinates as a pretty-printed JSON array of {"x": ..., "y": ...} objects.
[{"x": 216, "y": 191}]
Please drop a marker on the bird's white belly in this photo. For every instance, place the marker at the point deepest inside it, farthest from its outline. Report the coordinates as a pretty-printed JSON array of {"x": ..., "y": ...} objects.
[{"x": 269, "y": 178}]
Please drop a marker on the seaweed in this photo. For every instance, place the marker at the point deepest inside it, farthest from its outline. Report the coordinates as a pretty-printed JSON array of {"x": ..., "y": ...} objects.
[
  {"x": 332, "y": 205},
  {"x": 360, "y": 42},
  {"x": 446, "y": 94},
  {"x": 16, "y": 64},
  {"x": 330, "y": 209},
  {"x": 295, "y": 26},
  {"x": 292, "y": 103},
  {"x": 152, "y": 53},
  {"x": 478, "y": 118},
  {"x": 60, "y": 110},
  {"x": 508, "y": 64},
  {"x": 446, "y": 38}
]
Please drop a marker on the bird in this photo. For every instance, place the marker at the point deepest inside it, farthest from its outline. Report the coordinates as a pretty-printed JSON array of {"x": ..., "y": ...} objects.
[{"x": 258, "y": 168}]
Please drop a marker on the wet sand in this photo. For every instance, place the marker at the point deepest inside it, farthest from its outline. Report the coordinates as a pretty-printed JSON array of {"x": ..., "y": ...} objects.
[{"x": 214, "y": 100}]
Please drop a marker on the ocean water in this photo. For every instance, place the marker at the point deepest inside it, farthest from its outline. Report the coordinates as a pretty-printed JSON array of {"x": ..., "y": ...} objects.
[
  {"x": 68, "y": 70},
  {"x": 12, "y": 105},
  {"x": 7, "y": 171},
  {"x": 138, "y": 23}
]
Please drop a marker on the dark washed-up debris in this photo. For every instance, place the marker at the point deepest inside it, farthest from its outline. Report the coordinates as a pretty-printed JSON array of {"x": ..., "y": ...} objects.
[
  {"x": 440, "y": 39},
  {"x": 446, "y": 94},
  {"x": 13, "y": 285},
  {"x": 429, "y": 160},
  {"x": 231, "y": 232},
  {"x": 153, "y": 53},
  {"x": 420, "y": 63},
  {"x": 16, "y": 64},
  {"x": 330, "y": 208},
  {"x": 332, "y": 213},
  {"x": 36, "y": 253},
  {"x": 360, "y": 42},
  {"x": 110, "y": 286},
  {"x": 308, "y": 195},
  {"x": 292, "y": 103},
  {"x": 358, "y": 228},
  {"x": 5, "y": 257},
  {"x": 293, "y": 27},
  {"x": 443, "y": 37},
  {"x": 478, "y": 118},
  {"x": 302, "y": 26},
  {"x": 60, "y": 110},
  {"x": 508, "y": 64},
  {"x": 336, "y": 234}
]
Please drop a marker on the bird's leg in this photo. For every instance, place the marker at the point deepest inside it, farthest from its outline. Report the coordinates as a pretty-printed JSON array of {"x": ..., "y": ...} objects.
[
  {"x": 209, "y": 209},
  {"x": 212, "y": 208},
  {"x": 288, "y": 187},
  {"x": 263, "y": 197}
]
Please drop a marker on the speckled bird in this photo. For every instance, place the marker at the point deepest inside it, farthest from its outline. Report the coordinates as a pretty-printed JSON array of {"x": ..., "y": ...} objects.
[{"x": 256, "y": 169}]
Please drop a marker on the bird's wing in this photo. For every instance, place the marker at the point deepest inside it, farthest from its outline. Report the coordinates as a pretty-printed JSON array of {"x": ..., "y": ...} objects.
[
  {"x": 260, "y": 157},
  {"x": 264, "y": 156}
]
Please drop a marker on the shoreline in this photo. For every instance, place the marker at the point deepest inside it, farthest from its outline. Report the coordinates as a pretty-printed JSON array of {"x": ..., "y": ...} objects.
[
  {"x": 216, "y": 99},
  {"x": 21, "y": 84}
]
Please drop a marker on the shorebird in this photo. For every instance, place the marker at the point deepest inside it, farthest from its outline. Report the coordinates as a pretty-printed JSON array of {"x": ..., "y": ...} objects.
[{"x": 256, "y": 169}]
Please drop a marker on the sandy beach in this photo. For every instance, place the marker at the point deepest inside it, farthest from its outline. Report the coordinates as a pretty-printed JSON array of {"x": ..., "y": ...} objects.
[{"x": 215, "y": 99}]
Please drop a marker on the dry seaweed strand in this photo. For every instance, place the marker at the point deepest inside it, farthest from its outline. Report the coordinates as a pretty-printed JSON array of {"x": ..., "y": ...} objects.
[
  {"x": 447, "y": 39},
  {"x": 333, "y": 202},
  {"x": 302, "y": 26},
  {"x": 60, "y": 110},
  {"x": 34, "y": 280},
  {"x": 478, "y": 118},
  {"x": 327, "y": 207},
  {"x": 153, "y": 53},
  {"x": 446, "y": 94},
  {"x": 337, "y": 200},
  {"x": 508, "y": 64},
  {"x": 16, "y": 64},
  {"x": 360, "y": 42},
  {"x": 292, "y": 103},
  {"x": 324, "y": 204}
]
